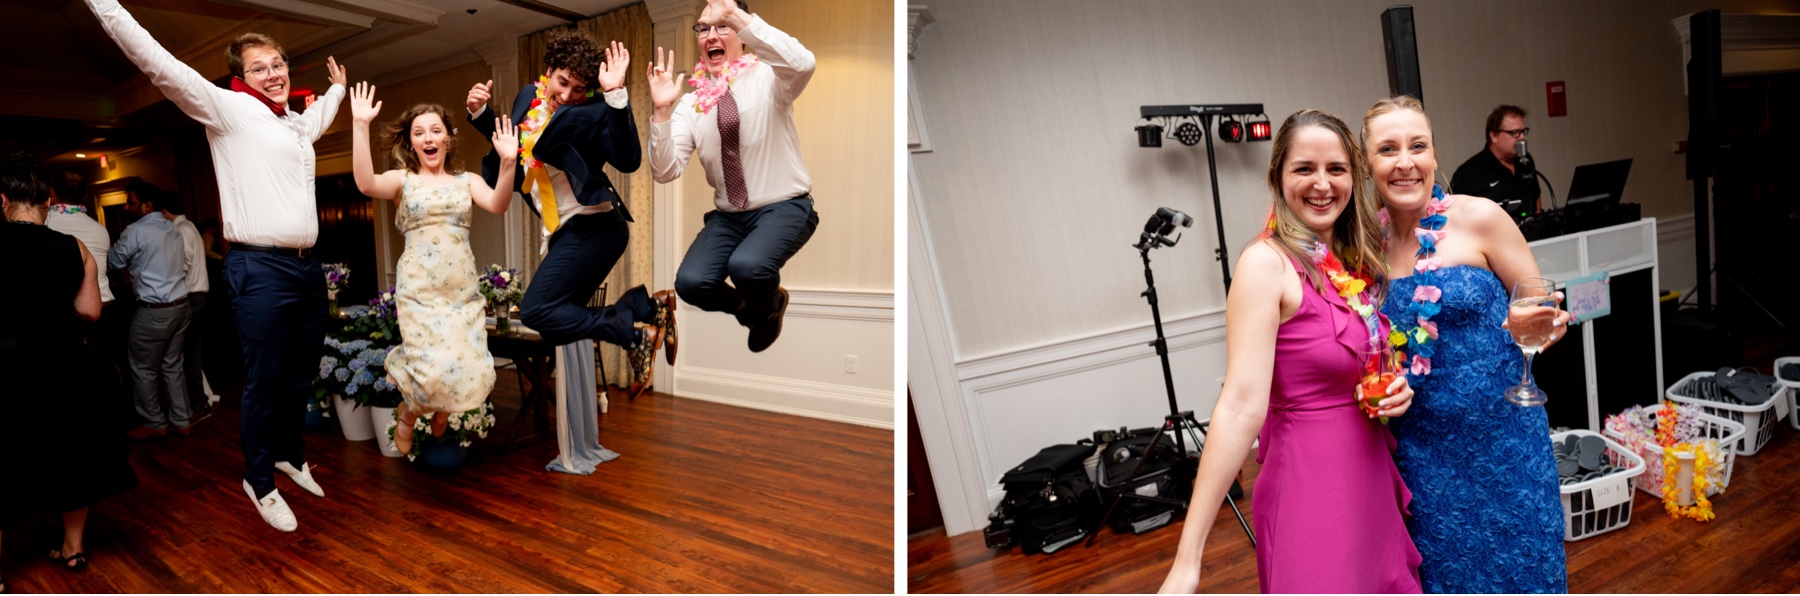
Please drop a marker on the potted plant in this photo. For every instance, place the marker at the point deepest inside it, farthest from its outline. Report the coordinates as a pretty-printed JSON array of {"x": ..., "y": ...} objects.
[
  {"x": 325, "y": 386},
  {"x": 449, "y": 451},
  {"x": 354, "y": 370},
  {"x": 502, "y": 290},
  {"x": 337, "y": 277}
]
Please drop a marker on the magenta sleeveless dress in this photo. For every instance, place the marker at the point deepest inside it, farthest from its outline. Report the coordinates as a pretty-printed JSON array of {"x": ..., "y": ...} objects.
[{"x": 1329, "y": 503}]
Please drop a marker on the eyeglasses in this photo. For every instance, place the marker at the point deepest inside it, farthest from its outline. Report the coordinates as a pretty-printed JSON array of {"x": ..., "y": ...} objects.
[
  {"x": 276, "y": 68},
  {"x": 1518, "y": 133},
  {"x": 721, "y": 30}
]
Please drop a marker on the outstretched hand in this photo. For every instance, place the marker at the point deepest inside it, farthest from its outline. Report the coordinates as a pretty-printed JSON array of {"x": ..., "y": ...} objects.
[
  {"x": 478, "y": 96},
  {"x": 612, "y": 71},
  {"x": 506, "y": 140},
  {"x": 336, "y": 72},
  {"x": 665, "y": 85},
  {"x": 361, "y": 98}
]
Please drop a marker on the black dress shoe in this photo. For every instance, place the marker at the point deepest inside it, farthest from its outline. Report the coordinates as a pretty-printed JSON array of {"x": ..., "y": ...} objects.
[{"x": 764, "y": 334}]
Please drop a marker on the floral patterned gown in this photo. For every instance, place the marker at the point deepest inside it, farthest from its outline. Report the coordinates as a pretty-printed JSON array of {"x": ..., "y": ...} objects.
[
  {"x": 443, "y": 362},
  {"x": 1487, "y": 515}
]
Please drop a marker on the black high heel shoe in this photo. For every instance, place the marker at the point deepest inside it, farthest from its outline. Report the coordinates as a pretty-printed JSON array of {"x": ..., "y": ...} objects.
[{"x": 73, "y": 563}]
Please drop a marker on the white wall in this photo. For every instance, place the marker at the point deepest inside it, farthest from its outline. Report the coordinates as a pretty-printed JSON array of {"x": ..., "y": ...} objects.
[{"x": 1029, "y": 326}]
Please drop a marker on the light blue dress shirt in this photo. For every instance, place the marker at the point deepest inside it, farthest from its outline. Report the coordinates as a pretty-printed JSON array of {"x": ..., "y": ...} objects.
[{"x": 151, "y": 250}]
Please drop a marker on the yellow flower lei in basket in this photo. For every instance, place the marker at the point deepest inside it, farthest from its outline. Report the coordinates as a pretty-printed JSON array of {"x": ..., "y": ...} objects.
[{"x": 1702, "y": 509}]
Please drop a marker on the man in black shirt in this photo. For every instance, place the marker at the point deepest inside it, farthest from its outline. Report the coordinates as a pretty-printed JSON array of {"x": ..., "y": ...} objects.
[{"x": 1494, "y": 172}]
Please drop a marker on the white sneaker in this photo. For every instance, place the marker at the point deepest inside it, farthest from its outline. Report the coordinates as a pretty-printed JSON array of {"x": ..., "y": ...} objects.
[
  {"x": 273, "y": 509},
  {"x": 302, "y": 477}
]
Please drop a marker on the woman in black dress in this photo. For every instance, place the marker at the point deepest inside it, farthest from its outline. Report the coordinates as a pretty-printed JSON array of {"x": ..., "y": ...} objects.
[{"x": 57, "y": 451}]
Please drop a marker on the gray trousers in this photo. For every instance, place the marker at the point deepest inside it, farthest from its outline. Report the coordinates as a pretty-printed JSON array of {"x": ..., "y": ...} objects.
[
  {"x": 191, "y": 359},
  {"x": 154, "y": 346}
]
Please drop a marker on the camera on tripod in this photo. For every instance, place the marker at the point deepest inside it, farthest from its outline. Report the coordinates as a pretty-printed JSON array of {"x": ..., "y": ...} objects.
[{"x": 1156, "y": 231}]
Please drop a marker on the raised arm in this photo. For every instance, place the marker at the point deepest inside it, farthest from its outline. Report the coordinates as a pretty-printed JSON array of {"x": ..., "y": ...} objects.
[
  {"x": 319, "y": 113},
  {"x": 385, "y": 185},
  {"x": 1252, "y": 318},
  {"x": 792, "y": 63},
  {"x": 1507, "y": 254},
  {"x": 192, "y": 93},
  {"x": 479, "y": 114},
  {"x": 87, "y": 299},
  {"x": 497, "y": 198},
  {"x": 618, "y": 132},
  {"x": 671, "y": 136}
]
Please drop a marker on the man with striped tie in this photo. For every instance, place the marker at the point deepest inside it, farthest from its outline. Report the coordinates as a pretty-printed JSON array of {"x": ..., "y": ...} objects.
[{"x": 740, "y": 119}]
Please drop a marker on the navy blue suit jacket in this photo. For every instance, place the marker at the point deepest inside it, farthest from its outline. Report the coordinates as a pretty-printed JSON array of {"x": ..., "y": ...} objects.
[{"x": 579, "y": 139}]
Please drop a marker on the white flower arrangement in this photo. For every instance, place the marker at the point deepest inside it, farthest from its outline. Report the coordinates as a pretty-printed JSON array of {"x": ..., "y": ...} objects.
[{"x": 461, "y": 430}]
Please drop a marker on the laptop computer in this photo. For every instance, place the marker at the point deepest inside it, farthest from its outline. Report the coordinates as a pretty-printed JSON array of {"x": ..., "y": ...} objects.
[{"x": 1598, "y": 186}]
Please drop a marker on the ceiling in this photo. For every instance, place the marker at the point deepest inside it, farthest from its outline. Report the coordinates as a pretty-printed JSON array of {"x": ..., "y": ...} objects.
[{"x": 74, "y": 90}]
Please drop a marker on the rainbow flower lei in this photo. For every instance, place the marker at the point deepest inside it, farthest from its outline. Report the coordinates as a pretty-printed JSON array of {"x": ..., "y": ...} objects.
[
  {"x": 1420, "y": 340},
  {"x": 535, "y": 119},
  {"x": 708, "y": 90}
]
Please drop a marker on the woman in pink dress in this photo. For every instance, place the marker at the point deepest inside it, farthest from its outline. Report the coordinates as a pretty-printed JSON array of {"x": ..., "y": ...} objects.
[{"x": 1301, "y": 324}]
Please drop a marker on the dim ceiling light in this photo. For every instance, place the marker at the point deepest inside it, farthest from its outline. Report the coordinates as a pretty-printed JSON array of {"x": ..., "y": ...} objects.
[{"x": 80, "y": 155}]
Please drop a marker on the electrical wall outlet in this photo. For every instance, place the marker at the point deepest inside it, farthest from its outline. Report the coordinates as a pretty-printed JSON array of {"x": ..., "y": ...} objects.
[{"x": 850, "y": 364}]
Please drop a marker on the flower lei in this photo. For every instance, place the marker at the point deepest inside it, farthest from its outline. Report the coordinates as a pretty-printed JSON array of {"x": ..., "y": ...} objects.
[
  {"x": 1669, "y": 429},
  {"x": 1352, "y": 287},
  {"x": 1420, "y": 340},
  {"x": 535, "y": 120},
  {"x": 708, "y": 90},
  {"x": 67, "y": 209}
]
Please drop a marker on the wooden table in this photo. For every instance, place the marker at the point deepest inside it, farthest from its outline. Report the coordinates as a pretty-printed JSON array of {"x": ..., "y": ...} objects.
[{"x": 536, "y": 363}]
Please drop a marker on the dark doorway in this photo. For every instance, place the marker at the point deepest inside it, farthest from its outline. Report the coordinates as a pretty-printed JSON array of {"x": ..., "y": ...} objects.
[
  {"x": 347, "y": 235},
  {"x": 1756, "y": 201},
  {"x": 922, "y": 509}
]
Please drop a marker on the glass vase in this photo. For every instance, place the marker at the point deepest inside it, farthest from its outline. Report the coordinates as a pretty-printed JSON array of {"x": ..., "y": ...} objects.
[{"x": 331, "y": 304}]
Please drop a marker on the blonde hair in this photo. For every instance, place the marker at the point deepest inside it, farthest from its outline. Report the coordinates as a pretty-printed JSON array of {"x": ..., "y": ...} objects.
[
  {"x": 1406, "y": 102},
  {"x": 1356, "y": 235}
]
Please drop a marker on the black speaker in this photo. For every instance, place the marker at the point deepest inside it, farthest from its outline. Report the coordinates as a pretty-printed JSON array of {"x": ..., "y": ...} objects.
[
  {"x": 1402, "y": 47},
  {"x": 1705, "y": 72}
]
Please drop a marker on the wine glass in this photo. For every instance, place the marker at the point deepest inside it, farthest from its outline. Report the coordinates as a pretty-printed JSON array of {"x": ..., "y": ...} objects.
[{"x": 1531, "y": 317}]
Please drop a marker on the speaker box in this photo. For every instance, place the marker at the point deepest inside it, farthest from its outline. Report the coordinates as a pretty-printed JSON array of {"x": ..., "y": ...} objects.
[
  {"x": 1402, "y": 49},
  {"x": 1705, "y": 74}
]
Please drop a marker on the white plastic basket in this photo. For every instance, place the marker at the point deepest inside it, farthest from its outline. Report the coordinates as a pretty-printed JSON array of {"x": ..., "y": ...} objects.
[
  {"x": 1595, "y": 507},
  {"x": 1792, "y": 388},
  {"x": 1759, "y": 420},
  {"x": 1714, "y": 427}
]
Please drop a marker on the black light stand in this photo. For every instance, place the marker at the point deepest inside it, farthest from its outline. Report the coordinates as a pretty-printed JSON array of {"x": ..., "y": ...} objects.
[
  {"x": 1206, "y": 114},
  {"x": 1178, "y": 421}
]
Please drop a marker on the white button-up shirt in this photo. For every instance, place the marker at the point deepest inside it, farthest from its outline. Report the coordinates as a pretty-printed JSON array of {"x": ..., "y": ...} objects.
[
  {"x": 264, "y": 162},
  {"x": 768, "y": 147}
]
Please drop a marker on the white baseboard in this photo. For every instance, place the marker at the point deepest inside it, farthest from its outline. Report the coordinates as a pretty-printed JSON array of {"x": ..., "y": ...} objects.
[
  {"x": 808, "y": 371},
  {"x": 840, "y": 403}
]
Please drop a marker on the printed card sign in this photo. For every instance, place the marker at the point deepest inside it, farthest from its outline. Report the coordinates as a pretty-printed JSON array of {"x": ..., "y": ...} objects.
[
  {"x": 1611, "y": 493},
  {"x": 1589, "y": 297},
  {"x": 1781, "y": 402}
]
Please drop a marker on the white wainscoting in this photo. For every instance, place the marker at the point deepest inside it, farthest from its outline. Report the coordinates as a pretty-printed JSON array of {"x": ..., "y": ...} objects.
[
  {"x": 805, "y": 373},
  {"x": 1021, "y": 401}
]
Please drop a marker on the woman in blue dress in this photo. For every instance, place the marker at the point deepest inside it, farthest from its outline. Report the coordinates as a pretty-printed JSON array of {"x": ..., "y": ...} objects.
[{"x": 1487, "y": 517}]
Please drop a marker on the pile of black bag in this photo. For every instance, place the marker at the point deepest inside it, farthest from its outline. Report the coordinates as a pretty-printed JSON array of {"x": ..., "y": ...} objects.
[{"x": 1051, "y": 500}]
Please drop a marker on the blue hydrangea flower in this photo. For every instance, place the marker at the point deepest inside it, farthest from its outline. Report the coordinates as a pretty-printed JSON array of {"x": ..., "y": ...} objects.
[{"x": 342, "y": 374}]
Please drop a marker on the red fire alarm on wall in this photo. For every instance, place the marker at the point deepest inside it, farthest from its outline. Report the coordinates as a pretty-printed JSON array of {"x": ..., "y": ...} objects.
[{"x": 1557, "y": 99}]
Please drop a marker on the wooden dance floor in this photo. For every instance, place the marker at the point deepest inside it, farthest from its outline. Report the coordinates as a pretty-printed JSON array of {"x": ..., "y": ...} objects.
[
  {"x": 707, "y": 498},
  {"x": 1752, "y": 547}
]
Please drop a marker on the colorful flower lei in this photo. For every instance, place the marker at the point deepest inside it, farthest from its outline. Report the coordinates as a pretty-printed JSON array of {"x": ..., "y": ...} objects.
[
  {"x": 1420, "y": 340},
  {"x": 535, "y": 119},
  {"x": 1353, "y": 288},
  {"x": 67, "y": 209},
  {"x": 708, "y": 90}
]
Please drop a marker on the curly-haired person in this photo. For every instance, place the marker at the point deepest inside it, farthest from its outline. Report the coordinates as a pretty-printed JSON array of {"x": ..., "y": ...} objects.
[{"x": 565, "y": 137}]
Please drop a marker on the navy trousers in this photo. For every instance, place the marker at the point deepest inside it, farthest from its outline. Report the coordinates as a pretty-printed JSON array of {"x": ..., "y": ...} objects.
[
  {"x": 280, "y": 304},
  {"x": 582, "y": 252},
  {"x": 749, "y": 248}
]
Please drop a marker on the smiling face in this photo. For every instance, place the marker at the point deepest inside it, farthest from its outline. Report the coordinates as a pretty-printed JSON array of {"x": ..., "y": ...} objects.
[
  {"x": 1317, "y": 178},
  {"x": 565, "y": 87},
  {"x": 266, "y": 72},
  {"x": 1402, "y": 158},
  {"x": 430, "y": 140},
  {"x": 719, "y": 46}
]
